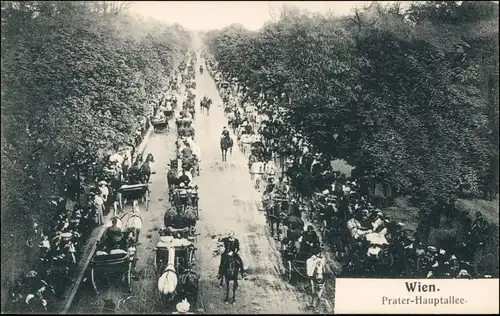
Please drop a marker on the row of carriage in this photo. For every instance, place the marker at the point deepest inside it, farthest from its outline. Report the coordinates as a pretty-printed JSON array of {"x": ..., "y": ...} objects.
[{"x": 175, "y": 250}]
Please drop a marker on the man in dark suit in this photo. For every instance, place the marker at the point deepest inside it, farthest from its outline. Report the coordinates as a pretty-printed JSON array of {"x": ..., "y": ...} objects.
[
  {"x": 114, "y": 235},
  {"x": 231, "y": 247}
]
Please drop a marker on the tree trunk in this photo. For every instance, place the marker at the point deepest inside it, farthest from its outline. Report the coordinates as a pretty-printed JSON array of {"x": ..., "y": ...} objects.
[
  {"x": 424, "y": 228},
  {"x": 79, "y": 180}
]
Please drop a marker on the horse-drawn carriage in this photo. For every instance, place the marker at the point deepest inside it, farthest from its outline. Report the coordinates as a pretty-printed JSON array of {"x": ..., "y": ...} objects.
[
  {"x": 117, "y": 259},
  {"x": 369, "y": 247},
  {"x": 183, "y": 255},
  {"x": 116, "y": 262},
  {"x": 160, "y": 124},
  {"x": 185, "y": 127},
  {"x": 127, "y": 192},
  {"x": 294, "y": 265},
  {"x": 258, "y": 149},
  {"x": 276, "y": 208},
  {"x": 183, "y": 197},
  {"x": 174, "y": 261}
]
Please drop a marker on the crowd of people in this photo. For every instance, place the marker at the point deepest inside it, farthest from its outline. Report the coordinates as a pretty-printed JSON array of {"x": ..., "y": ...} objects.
[{"x": 364, "y": 240}]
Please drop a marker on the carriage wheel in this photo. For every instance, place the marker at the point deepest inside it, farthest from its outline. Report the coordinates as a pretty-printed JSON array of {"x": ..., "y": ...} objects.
[
  {"x": 288, "y": 272},
  {"x": 147, "y": 199},
  {"x": 92, "y": 278},
  {"x": 129, "y": 276},
  {"x": 190, "y": 256}
]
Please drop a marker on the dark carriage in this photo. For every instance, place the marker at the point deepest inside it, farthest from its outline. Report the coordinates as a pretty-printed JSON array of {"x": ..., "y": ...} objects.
[
  {"x": 169, "y": 113},
  {"x": 294, "y": 263},
  {"x": 130, "y": 192},
  {"x": 184, "y": 253},
  {"x": 117, "y": 262},
  {"x": 160, "y": 124}
]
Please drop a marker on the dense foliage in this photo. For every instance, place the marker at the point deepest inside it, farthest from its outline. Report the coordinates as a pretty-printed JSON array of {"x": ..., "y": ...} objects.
[
  {"x": 77, "y": 77},
  {"x": 409, "y": 97}
]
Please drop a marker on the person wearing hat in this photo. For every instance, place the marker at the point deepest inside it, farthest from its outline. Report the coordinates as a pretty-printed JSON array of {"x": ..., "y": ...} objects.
[
  {"x": 231, "y": 248},
  {"x": 184, "y": 178},
  {"x": 295, "y": 227},
  {"x": 114, "y": 235},
  {"x": 98, "y": 206},
  {"x": 134, "y": 173},
  {"x": 125, "y": 165},
  {"x": 103, "y": 187},
  {"x": 225, "y": 132},
  {"x": 310, "y": 241}
]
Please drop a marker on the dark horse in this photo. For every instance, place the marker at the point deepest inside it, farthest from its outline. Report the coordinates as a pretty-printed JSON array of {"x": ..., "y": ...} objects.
[
  {"x": 146, "y": 168},
  {"x": 205, "y": 103},
  {"x": 171, "y": 181},
  {"x": 225, "y": 144},
  {"x": 230, "y": 273},
  {"x": 275, "y": 215},
  {"x": 189, "y": 284}
]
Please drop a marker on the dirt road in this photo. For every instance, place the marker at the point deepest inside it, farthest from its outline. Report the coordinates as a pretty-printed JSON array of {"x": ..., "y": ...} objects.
[{"x": 227, "y": 202}]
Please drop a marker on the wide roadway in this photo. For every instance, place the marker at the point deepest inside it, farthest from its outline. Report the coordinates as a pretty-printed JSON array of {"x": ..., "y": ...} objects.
[{"x": 227, "y": 202}]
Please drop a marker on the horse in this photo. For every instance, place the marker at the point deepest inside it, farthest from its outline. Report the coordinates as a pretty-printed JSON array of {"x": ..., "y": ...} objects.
[
  {"x": 167, "y": 282},
  {"x": 189, "y": 284},
  {"x": 169, "y": 214},
  {"x": 225, "y": 144},
  {"x": 205, "y": 103},
  {"x": 146, "y": 168},
  {"x": 171, "y": 180},
  {"x": 191, "y": 214},
  {"x": 317, "y": 282},
  {"x": 273, "y": 217},
  {"x": 230, "y": 273},
  {"x": 134, "y": 222}
]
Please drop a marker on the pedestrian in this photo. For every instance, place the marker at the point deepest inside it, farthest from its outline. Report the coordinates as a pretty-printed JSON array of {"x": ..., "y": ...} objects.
[{"x": 98, "y": 204}]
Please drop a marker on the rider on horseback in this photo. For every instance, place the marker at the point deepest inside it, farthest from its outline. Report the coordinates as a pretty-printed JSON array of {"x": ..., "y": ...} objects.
[
  {"x": 231, "y": 248},
  {"x": 225, "y": 132}
]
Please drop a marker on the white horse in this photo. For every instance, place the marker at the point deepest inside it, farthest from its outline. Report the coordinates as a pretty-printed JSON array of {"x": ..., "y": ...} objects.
[
  {"x": 134, "y": 222},
  {"x": 316, "y": 271},
  {"x": 167, "y": 283}
]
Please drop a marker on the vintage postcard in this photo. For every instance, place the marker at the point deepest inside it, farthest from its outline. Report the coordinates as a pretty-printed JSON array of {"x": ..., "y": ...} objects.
[{"x": 234, "y": 157}]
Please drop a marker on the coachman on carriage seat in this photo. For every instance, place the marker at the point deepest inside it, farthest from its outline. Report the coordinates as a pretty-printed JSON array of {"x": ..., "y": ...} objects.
[
  {"x": 134, "y": 173},
  {"x": 231, "y": 247},
  {"x": 114, "y": 235},
  {"x": 310, "y": 242},
  {"x": 184, "y": 178}
]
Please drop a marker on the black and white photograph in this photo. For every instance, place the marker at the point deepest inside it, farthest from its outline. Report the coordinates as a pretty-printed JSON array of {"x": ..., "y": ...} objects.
[{"x": 239, "y": 157}]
